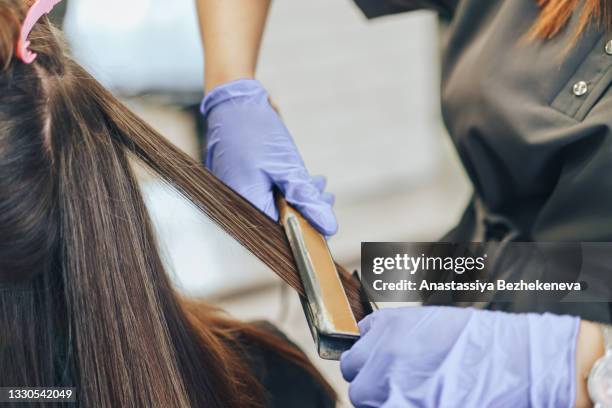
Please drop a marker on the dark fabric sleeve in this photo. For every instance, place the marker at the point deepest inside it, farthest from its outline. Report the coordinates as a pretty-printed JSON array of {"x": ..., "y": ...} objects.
[{"x": 378, "y": 8}]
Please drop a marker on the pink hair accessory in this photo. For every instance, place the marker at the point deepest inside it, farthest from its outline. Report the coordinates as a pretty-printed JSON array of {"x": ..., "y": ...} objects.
[{"x": 38, "y": 9}]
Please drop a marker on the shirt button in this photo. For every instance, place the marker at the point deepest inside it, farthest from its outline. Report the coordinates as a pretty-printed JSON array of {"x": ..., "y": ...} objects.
[
  {"x": 609, "y": 47},
  {"x": 580, "y": 88}
]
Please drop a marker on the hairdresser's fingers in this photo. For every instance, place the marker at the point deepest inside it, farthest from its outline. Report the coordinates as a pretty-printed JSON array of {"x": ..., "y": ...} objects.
[
  {"x": 369, "y": 387},
  {"x": 315, "y": 206},
  {"x": 353, "y": 360},
  {"x": 379, "y": 317},
  {"x": 370, "y": 329},
  {"x": 261, "y": 196},
  {"x": 320, "y": 182},
  {"x": 395, "y": 397},
  {"x": 366, "y": 323},
  {"x": 253, "y": 186},
  {"x": 270, "y": 208},
  {"x": 329, "y": 198},
  {"x": 300, "y": 191},
  {"x": 321, "y": 216}
]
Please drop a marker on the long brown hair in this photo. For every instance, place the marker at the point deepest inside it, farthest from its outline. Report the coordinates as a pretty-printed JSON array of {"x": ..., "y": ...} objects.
[
  {"x": 555, "y": 14},
  {"x": 84, "y": 298}
]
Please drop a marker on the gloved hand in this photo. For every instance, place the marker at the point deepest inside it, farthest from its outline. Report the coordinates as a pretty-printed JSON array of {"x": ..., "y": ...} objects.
[
  {"x": 250, "y": 150},
  {"x": 453, "y": 357}
]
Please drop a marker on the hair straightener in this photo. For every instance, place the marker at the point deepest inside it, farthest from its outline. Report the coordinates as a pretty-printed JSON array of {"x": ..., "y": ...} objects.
[{"x": 326, "y": 306}]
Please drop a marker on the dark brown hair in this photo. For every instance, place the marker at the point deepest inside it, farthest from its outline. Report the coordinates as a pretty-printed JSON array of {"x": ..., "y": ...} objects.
[
  {"x": 84, "y": 298},
  {"x": 555, "y": 14}
]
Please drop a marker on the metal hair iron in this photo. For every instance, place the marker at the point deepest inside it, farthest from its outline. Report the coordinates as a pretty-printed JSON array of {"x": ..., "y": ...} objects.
[{"x": 326, "y": 306}]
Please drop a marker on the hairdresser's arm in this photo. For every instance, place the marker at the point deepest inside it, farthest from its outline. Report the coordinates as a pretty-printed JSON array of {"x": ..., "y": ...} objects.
[
  {"x": 452, "y": 357},
  {"x": 247, "y": 145},
  {"x": 231, "y": 34},
  {"x": 589, "y": 348}
]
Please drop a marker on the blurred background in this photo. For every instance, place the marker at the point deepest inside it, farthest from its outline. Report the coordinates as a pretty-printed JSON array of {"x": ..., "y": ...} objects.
[{"x": 360, "y": 98}]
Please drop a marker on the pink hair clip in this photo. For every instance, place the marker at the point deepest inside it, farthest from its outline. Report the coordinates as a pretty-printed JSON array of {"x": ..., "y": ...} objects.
[{"x": 38, "y": 9}]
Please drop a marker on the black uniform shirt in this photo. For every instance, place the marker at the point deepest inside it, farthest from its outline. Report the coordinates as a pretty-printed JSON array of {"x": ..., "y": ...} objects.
[{"x": 532, "y": 122}]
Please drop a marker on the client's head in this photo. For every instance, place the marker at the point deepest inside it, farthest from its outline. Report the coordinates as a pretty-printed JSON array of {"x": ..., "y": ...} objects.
[
  {"x": 29, "y": 229},
  {"x": 84, "y": 298}
]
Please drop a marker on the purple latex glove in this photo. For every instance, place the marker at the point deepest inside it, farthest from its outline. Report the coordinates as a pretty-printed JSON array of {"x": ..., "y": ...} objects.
[
  {"x": 453, "y": 357},
  {"x": 250, "y": 149}
]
